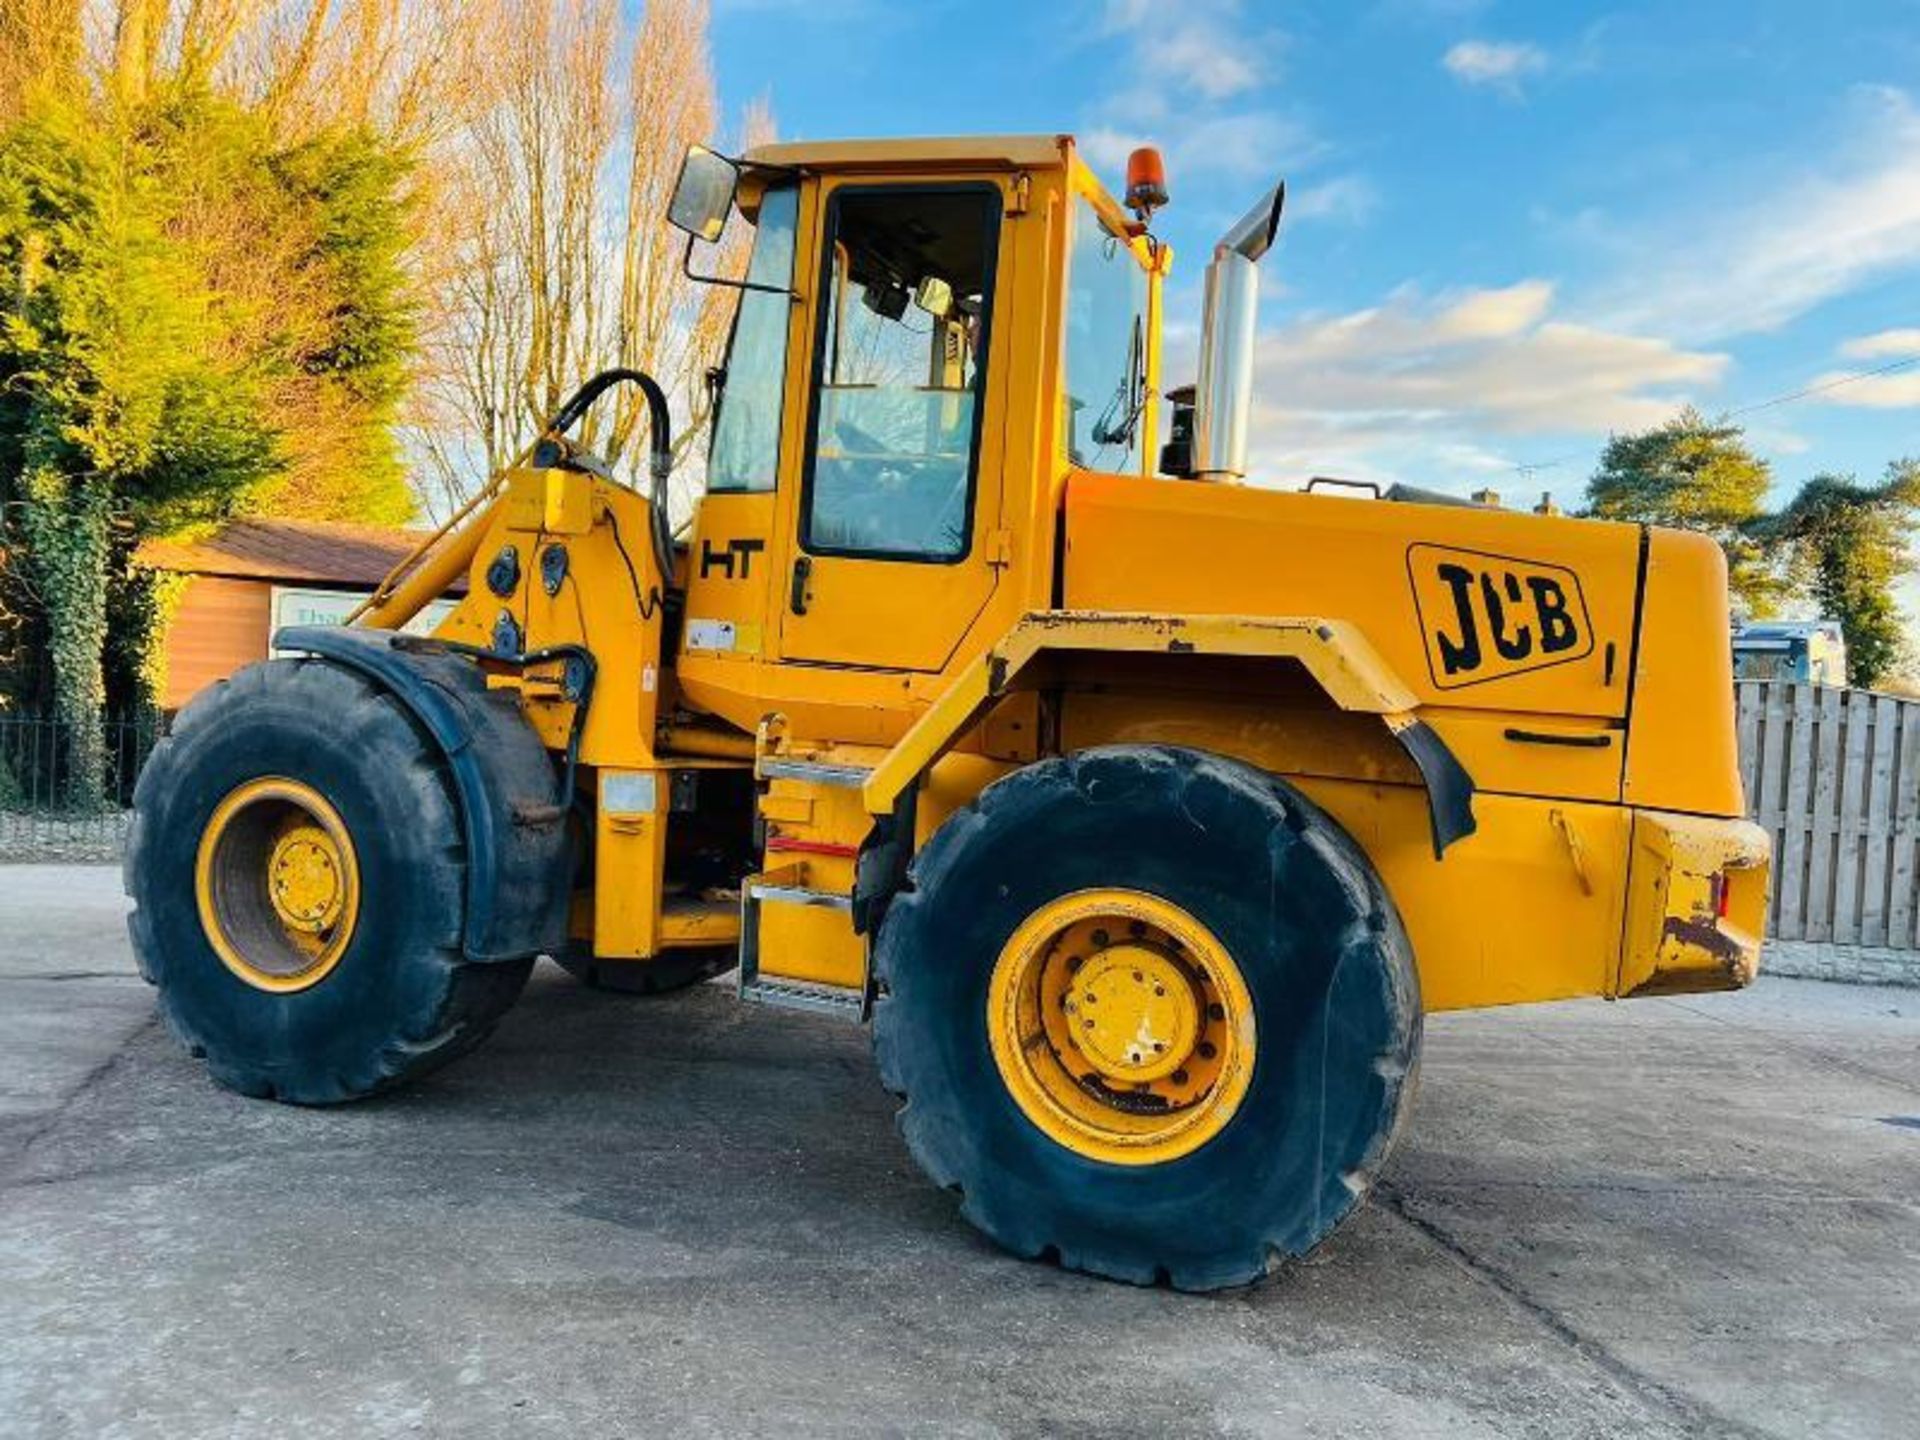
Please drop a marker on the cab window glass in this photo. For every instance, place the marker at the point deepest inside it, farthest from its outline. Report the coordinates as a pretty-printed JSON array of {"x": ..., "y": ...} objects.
[
  {"x": 1106, "y": 391},
  {"x": 745, "y": 455},
  {"x": 898, "y": 376}
]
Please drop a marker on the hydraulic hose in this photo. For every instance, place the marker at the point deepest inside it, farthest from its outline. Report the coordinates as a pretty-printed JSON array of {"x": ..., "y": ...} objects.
[{"x": 659, "y": 444}]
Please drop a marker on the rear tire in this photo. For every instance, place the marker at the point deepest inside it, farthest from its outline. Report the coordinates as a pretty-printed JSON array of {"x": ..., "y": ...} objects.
[
  {"x": 400, "y": 998},
  {"x": 1229, "y": 858},
  {"x": 672, "y": 971}
]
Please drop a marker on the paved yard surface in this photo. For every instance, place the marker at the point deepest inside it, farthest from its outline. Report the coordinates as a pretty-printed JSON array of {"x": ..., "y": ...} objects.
[{"x": 1665, "y": 1218}]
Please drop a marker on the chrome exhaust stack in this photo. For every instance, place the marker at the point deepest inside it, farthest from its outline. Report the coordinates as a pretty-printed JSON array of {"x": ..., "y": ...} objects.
[{"x": 1223, "y": 399}]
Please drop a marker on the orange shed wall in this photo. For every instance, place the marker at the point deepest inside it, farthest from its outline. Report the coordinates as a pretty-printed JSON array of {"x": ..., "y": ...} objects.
[{"x": 220, "y": 626}]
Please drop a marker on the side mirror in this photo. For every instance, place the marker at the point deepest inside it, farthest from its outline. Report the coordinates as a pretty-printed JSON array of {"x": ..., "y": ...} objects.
[
  {"x": 703, "y": 195},
  {"x": 935, "y": 296}
]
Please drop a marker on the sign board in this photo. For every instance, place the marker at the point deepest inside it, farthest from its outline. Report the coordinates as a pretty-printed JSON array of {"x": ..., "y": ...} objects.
[{"x": 331, "y": 607}]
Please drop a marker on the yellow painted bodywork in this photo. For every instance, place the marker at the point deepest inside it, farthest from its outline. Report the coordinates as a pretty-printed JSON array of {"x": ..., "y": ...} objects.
[
  {"x": 1578, "y": 670},
  {"x": 1682, "y": 751},
  {"x": 1697, "y": 905},
  {"x": 630, "y": 838},
  {"x": 811, "y": 943},
  {"x": 1333, "y": 652}
]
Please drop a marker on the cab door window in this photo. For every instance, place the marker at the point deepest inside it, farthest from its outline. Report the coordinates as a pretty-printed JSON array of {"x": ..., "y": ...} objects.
[
  {"x": 1106, "y": 391},
  {"x": 899, "y": 370},
  {"x": 745, "y": 455}
]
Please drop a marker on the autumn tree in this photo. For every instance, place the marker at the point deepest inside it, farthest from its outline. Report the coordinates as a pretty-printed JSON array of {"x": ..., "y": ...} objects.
[
  {"x": 204, "y": 307},
  {"x": 1694, "y": 474},
  {"x": 556, "y": 257}
]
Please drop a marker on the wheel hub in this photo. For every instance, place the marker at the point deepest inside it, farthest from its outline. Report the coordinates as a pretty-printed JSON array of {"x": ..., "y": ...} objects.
[
  {"x": 1121, "y": 1026},
  {"x": 305, "y": 879},
  {"x": 1136, "y": 1014},
  {"x": 277, "y": 884}
]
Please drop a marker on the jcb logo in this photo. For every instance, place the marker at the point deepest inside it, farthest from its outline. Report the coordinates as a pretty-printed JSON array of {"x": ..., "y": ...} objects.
[{"x": 1486, "y": 617}]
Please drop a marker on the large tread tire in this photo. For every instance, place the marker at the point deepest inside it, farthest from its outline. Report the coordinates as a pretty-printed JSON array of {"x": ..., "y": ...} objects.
[
  {"x": 403, "y": 999},
  {"x": 1308, "y": 923},
  {"x": 674, "y": 971}
]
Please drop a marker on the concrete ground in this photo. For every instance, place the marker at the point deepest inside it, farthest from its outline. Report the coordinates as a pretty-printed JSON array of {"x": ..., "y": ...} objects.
[{"x": 1669, "y": 1217}]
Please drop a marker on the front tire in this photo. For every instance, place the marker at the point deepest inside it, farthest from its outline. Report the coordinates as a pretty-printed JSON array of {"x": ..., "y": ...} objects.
[
  {"x": 1151, "y": 1012},
  {"x": 298, "y": 877}
]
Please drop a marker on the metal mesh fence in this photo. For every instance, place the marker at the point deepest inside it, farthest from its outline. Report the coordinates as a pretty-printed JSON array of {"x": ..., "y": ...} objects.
[{"x": 43, "y": 815}]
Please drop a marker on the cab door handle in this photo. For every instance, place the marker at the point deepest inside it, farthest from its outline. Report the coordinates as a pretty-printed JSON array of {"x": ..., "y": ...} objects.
[{"x": 802, "y": 573}]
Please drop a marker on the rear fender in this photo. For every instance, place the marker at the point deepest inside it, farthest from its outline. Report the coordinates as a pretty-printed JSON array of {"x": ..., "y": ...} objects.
[
  {"x": 519, "y": 850},
  {"x": 1335, "y": 653}
]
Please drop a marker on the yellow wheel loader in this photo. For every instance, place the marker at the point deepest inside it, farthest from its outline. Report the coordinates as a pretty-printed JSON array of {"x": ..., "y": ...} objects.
[{"x": 1142, "y": 812}]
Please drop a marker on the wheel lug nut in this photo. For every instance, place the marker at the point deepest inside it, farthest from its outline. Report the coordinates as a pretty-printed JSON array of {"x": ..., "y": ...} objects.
[
  {"x": 1100, "y": 939},
  {"x": 1205, "y": 1048},
  {"x": 1216, "y": 1012}
]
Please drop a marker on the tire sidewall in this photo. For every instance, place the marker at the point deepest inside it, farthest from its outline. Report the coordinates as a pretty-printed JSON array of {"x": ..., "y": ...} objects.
[
  {"x": 1288, "y": 896},
  {"x": 392, "y": 983}
]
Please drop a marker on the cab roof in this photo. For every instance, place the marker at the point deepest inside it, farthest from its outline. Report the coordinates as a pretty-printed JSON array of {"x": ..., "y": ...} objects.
[{"x": 1009, "y": 152}]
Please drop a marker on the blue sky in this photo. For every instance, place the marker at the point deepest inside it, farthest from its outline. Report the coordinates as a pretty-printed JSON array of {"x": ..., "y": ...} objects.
[{"x": 1511, "y": 228}]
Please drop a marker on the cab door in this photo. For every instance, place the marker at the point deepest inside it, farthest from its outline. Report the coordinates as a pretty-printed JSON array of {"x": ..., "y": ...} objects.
[
  {"x": 731, "y": 552},
  {"x": 894, "y": 545}
]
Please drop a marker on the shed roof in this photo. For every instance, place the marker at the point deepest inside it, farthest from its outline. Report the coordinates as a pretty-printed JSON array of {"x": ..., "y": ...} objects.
[{"x": 307, "y": 551}]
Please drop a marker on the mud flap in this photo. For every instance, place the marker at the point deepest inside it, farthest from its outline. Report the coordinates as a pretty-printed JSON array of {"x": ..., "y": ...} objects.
[
  {"x": 519, "y": 854},
  {"x": 1449, "y": 786}
]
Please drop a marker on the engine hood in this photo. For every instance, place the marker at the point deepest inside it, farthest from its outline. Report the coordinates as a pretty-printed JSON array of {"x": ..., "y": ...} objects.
[{"x": 1474, "y": 608}]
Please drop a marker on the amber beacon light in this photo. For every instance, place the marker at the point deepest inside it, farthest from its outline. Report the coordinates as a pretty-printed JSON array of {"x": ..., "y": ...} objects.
[{"x": 1146, "y": 181}]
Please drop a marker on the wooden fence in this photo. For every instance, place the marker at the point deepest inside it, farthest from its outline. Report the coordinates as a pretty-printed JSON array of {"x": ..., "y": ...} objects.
[{"x": 1835, "y": 775}]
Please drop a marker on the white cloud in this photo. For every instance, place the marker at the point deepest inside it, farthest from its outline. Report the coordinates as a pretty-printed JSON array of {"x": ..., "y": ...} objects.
[
  {"x": 1195, "y": 80},
  {"x": 1888, "y": 344},
  {"x": 1206, "y": 59},
  {"x": 1203, "y": 45},
  {"x": 1495, "y": 314},
  {"x": 1350, "y": 199},
  {"x": 1423, "y": 388},
  {"x": 1898, "y": 391},
  {"x": 1794, "y": 243},
  {"x": 1498, "y": 64},
  {"x": 1228, "y": 147}
]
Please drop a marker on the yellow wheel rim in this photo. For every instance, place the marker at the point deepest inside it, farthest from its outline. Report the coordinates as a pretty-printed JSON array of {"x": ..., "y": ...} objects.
[
  {"x": 277, "y": 884},
  {"x": 1121, "y": 1026}
]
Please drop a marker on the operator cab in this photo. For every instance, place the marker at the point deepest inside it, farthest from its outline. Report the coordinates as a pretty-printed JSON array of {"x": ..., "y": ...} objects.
[{"x": 907, "y": 385}]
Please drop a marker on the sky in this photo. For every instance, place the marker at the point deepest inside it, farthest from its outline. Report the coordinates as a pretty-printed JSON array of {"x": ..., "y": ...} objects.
[{"x": 1511, "y": 229}]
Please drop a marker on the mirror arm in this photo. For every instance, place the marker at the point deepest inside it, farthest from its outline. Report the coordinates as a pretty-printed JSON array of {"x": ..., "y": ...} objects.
[{"x": 686, "y": 267}]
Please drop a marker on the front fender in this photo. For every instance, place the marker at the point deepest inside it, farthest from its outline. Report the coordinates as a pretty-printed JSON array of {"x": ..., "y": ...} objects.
[{"x": 519, "y": 850}]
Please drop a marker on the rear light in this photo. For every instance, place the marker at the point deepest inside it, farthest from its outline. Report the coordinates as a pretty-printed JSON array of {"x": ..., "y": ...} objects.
[{"x": 1722, "y": 895}]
